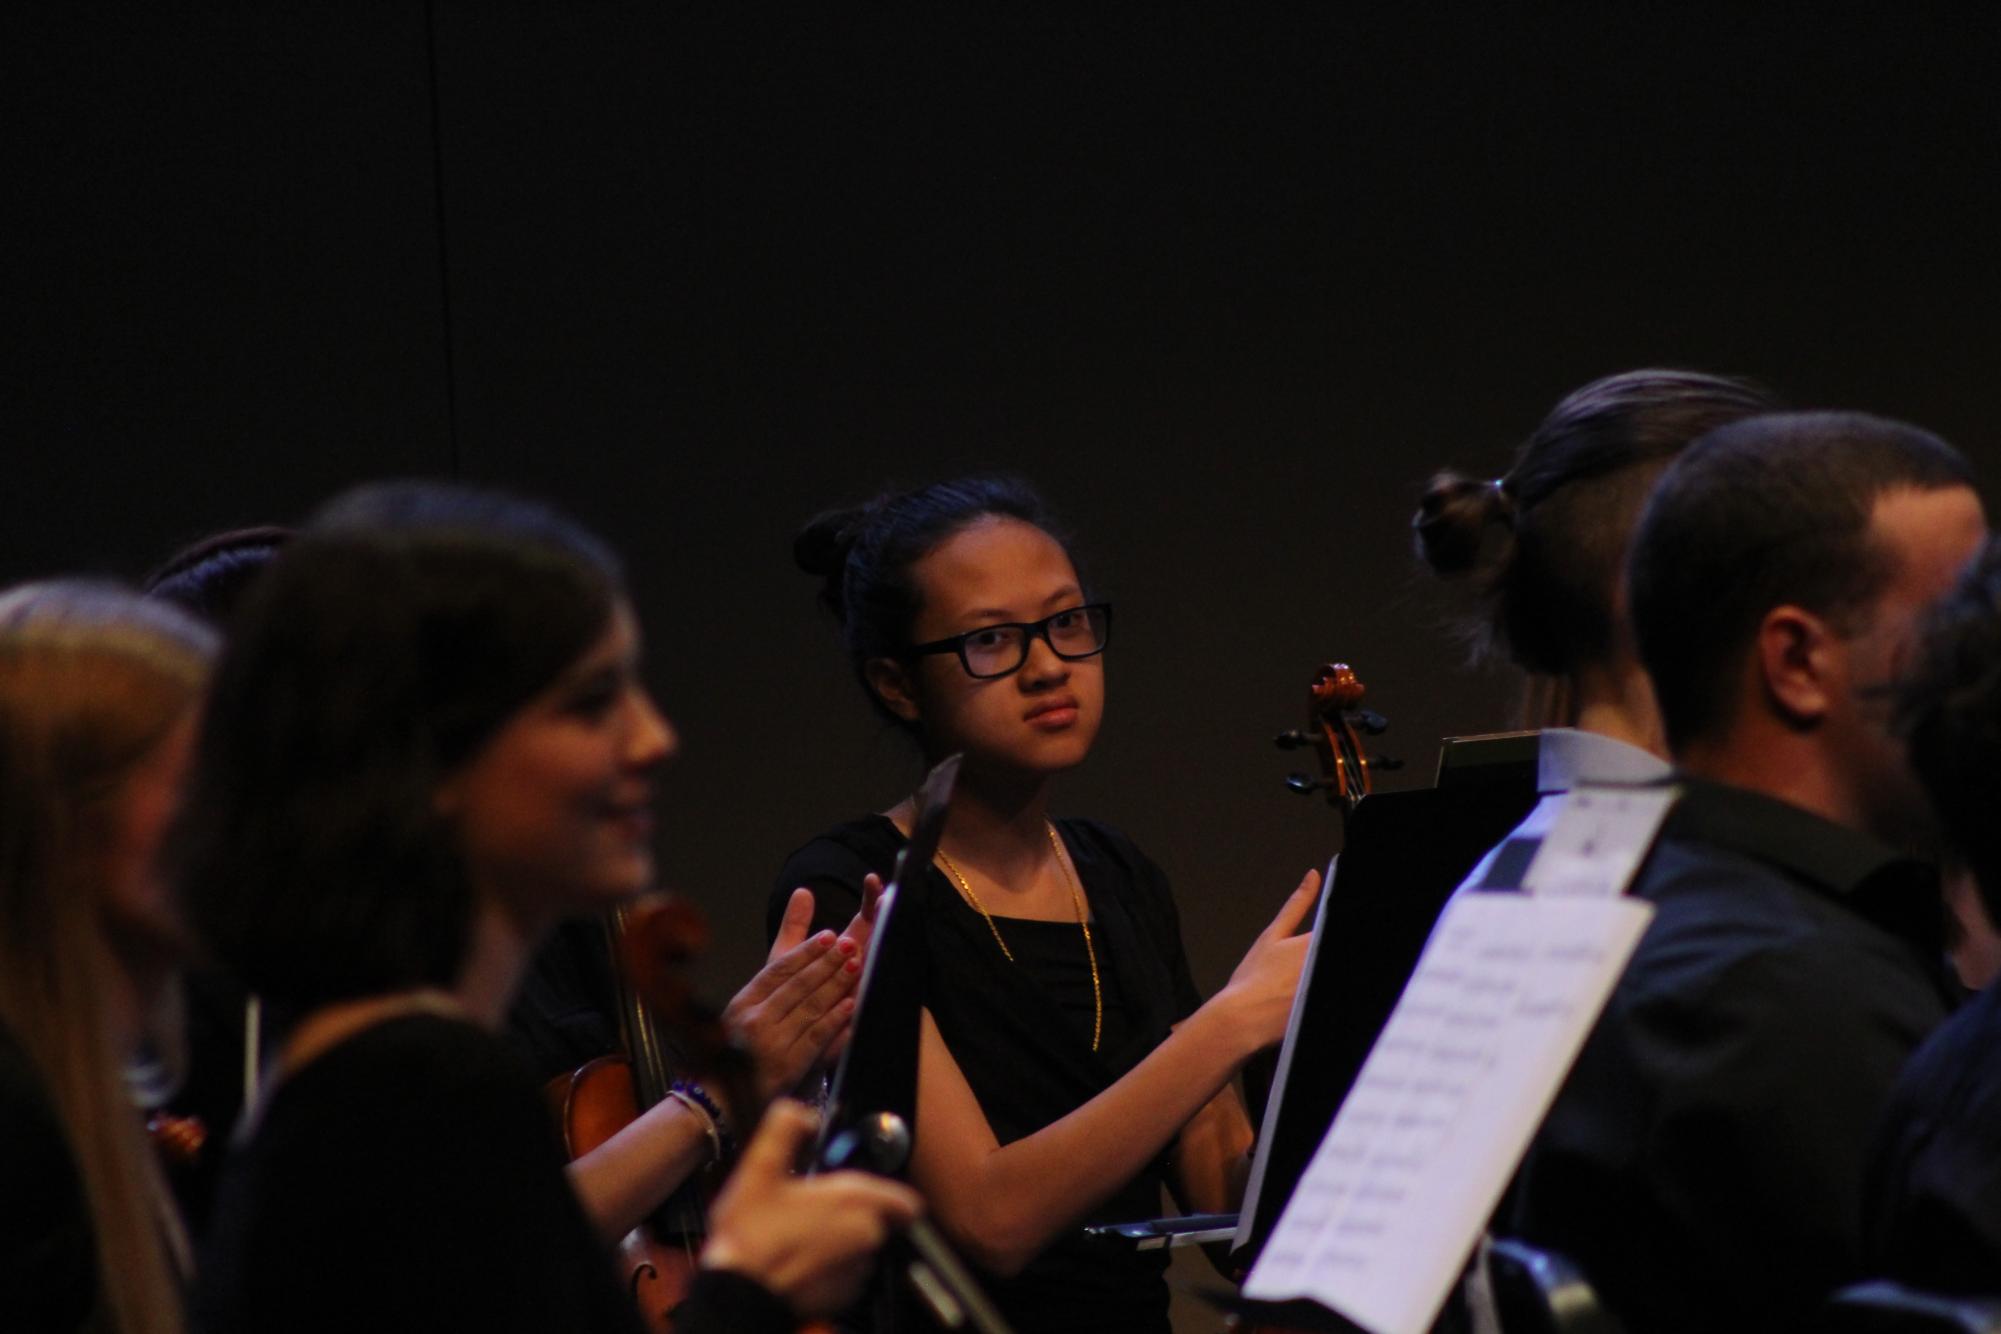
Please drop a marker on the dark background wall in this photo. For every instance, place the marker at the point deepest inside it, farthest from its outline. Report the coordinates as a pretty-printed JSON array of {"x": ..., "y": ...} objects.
[
  {"x": 1227, "y": 282},
  {"x": 1227, "y": 286}
]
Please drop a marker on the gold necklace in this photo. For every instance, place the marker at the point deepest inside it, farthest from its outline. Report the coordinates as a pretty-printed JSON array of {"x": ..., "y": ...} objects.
[{"x": 1076, "y": 901}]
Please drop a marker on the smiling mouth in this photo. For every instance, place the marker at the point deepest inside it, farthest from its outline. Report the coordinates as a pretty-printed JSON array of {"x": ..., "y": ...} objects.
[{"x": 634, "y": 816}]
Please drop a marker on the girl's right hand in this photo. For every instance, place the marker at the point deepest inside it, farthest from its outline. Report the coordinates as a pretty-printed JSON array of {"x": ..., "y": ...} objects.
[{"x": 1258, "y": 996}]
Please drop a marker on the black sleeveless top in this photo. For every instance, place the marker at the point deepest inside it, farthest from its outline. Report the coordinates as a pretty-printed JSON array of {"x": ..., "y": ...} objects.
[{"x": 1021, "y": 1034}]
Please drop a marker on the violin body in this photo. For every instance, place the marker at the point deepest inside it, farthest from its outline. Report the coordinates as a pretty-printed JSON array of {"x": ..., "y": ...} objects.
[
  {"x": 654, "y": 943},
  {"x": 592, "y": 1104}
]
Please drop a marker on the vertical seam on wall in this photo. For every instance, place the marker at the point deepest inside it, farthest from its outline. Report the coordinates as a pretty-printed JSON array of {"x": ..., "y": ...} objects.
[{"x": 444, "y": 267}]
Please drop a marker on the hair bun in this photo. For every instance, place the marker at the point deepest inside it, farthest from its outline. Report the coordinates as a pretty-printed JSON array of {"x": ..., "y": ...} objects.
[
  {"x": 1453, "y": 518},
  {"x": 822, "y": 549}
]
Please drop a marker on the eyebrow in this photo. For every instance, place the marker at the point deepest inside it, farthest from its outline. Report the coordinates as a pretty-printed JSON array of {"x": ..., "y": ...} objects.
[
  {"x": 592, "y": 669},
  {"x": 589, "y": 676},
  {"x": 1063, "y": 594}
]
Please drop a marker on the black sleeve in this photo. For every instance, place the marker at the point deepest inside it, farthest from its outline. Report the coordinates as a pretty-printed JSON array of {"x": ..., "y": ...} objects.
[
  {"x": 833, "y": 871},
  {"x": 722, "y": 1302}
]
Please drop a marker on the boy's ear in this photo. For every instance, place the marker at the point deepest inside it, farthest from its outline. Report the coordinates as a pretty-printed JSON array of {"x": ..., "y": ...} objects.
[{"x": 1797, "y": 661}]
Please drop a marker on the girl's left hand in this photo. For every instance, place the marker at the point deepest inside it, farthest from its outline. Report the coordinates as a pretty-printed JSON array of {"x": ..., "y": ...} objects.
[{"x": 794, "y": 1014}]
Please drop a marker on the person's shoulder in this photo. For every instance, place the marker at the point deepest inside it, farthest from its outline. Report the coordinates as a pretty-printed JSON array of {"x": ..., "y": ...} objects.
[
  {"x": 425, "y": 1093},
  {"x": 1726, "y": 909},
  {"x": 1951, "y": 1075},
  {"x": 863, "y": 836},
  {"x": 832, "y": 865},
  {"x": 1715, "y": 908},
  {"x": 1733, "y": 936},
  {"x": 425, "y": 1059},
  {"x": 1104, "y": 841},
  {"x": 846, "y": 852},
  {"x": 410, "y": 1038}
]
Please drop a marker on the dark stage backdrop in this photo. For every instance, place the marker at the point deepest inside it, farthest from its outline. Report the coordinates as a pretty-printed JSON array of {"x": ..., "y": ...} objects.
[{"x": 1227, "y": 283}]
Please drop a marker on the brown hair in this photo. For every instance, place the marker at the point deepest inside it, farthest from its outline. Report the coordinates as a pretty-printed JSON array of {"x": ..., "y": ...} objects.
[
  {"x": 1544, "y": 545},
  {"x": 92, "y": 681}
]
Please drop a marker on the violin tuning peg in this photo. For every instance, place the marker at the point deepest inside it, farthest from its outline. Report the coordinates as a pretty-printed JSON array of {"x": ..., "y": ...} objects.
[
  {"x": 1384, "y": 764},
  {"x": 179, "y": 1138},
  {"x": 1304, "y": 785},
  {"x": 1371, "y": 722}
]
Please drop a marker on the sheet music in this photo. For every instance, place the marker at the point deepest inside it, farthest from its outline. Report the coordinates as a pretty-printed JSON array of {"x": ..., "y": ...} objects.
[
  {"x": 1597, "y": 839},
  {"x": 1407, "y": 1176},
  {"x": 1275, "y": 1099}
]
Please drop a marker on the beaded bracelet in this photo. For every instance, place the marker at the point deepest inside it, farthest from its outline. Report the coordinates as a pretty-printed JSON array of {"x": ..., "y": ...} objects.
[{"x": 696, "y": 1099}]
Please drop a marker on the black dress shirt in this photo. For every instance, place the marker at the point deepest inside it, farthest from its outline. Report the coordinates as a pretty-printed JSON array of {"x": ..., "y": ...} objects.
[{"x": 1705, "y": 1160}]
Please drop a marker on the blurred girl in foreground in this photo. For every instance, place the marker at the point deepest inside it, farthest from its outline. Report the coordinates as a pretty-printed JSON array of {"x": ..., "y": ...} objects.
[{"x": 428, "y": 743}]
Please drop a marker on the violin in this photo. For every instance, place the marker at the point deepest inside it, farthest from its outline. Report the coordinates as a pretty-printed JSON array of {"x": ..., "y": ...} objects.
[
  {"x": 1336, "y": 722},
  {"x": 656, "y": 941},
  {"x": 660, "y": 938},
  {"x": 598, "y": 1100}
]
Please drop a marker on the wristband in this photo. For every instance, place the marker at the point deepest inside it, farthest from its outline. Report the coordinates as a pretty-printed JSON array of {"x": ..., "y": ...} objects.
[{"x": 696, "y": 1099}]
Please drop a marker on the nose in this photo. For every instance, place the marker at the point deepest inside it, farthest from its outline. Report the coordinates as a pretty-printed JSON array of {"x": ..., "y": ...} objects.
[
  {"x": 653, "y": 739},
  {"x": 1042, "y": 664}
]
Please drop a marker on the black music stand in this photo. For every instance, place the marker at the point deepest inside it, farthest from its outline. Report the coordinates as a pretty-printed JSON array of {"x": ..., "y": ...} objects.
[
  {"x": 877, "y": 1074},
  {"x": 1406, "y": 853},
  {"x": 871, "y": 1117}
]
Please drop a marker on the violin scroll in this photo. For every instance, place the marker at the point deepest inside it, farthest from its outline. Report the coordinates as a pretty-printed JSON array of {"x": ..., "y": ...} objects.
[{"x": 1336, "y": 724}]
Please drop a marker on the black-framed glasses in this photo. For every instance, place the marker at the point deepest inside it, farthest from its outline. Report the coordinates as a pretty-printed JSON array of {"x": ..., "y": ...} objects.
[{"x": 997, "y": 650}]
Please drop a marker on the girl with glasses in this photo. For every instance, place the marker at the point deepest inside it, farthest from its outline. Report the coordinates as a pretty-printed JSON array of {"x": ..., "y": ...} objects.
[{"x": 1068, "y": 1069}]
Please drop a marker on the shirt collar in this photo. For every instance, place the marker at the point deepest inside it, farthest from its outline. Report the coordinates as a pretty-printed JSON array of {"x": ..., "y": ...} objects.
[
  {"x": 1567, "y": 757},
  {"x": 1891, "y": 888}
]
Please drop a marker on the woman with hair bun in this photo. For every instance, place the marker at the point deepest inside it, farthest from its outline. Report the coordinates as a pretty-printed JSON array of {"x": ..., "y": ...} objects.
[
  {"x": 1545, "y": 547},
  {"x": 1067, "y": 1067},
  {"x": 98, "y": 693}
]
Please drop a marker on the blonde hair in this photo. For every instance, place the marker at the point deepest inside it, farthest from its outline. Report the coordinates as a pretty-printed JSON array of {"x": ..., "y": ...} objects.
[{"x": 92, "y": 680}]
